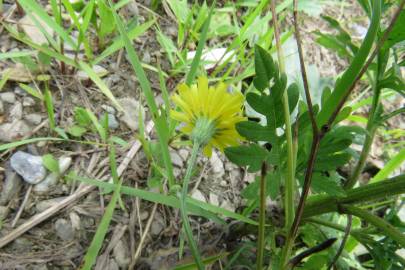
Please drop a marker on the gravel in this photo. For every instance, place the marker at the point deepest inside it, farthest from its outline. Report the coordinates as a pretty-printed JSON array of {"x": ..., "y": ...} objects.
[{"x": 30, "y": 167}]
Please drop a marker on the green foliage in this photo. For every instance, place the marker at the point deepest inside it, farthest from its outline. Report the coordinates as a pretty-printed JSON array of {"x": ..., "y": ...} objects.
[{"x": 51, "y": 163}]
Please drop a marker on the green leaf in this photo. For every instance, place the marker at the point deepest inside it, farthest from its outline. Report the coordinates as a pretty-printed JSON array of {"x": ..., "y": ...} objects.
[
  {"x": 253, "y": 131},
  {"x": 258, "y": 103},
  {"x": 264, "y": 67},
  {"x": 107, "y": 24},
  {"x": 391, "y": 166},
  {"x": 331, "y": 162},
  {"x": 247, "y": 155},
  {"x": 33, "y": 92},
  {"x": 81, "y": 117},
  {"x": 76, "y": 131},
  {"x": 61, "y": 132},
  {"x": 293, "y": 96},
  {"x": 329, "y": 185},
  {"x": 51, "y": 163},
  {"x": 49, "y": 107},
  {"x": 397, "y": 33}
]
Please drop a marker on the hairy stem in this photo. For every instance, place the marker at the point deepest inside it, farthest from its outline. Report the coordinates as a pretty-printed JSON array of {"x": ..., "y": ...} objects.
[
  {"x": 183, "y": 208},
  {"x": 343, "y": 243}
]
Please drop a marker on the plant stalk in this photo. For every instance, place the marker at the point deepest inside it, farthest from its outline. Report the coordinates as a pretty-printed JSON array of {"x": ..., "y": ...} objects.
[
  {"x": 262, "y": 218},
  {"x": 183, "y": 207}
]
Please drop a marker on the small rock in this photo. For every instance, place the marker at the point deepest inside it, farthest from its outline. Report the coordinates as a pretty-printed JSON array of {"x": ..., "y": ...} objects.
[
  {"x": 176, "y": 158},
  {"x": 18, "y": 73},
  {"x": 32, "y": 31},
  {"x": 75, "y": 220},
  {"x": 99, "y": 70},
  {"x": 217, "y": 165},
  {"x": 33, "y": 118},
  {"x": 130, "y": 114},
  {"x": 184, "y": 154},
  {"x": 108, "y": 109},
  {"x": 144, "y": 215},
  {"x": 10, "y": 132},
  {"x": 16, "y": 112},
  {"x": 121, "y": 254},
  {"x": 214, "y": 199},
  {"x": 28, "y": 102},
  {"x": 146, "y": 57},
  {"x": 112, "y": 122},
  {"x": 64, "y": 229},
  {"x": 223, "y": 183},
  {"x": 11, "y": 186},
  {"x": 198, "y": 196},
  {"x": 228, "y": 206},
  {"x": 8, "y": 97},
  {"x": 112, "y": 265},
  {"x": 177, "y": 172},
  {"x": 52, "y": 178},
  {"x": 28, "y": 166},
  {"x": 3, "y": 212},
  {"x": 45, "y": 204},
  {"x": 1, "y": 107},
  {"x": 157, "y": 225},
  {"x": 19, "y": 91}
]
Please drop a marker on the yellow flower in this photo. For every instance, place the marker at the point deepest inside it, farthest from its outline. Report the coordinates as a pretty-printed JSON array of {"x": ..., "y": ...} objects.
[{"x": 209, "y": 114}]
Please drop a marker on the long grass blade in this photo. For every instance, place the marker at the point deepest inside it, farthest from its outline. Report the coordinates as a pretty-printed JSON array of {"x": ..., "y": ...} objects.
[{"x": 391, "y": 166}]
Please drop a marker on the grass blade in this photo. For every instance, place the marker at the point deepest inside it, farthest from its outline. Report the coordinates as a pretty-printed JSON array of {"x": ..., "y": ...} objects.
[
  {"x": 103, "y": 87},
  {"x": 393, "y": 164},
  {"x": 159, "y": 120},
  {"x": 197, "y": 58}
]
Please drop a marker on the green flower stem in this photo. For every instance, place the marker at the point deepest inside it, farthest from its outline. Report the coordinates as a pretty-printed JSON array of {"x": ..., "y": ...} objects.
[
  {"x": 183, "y": 209},
  {"x": 378, "y": 222},
  {"x": 262, "y": 219}
]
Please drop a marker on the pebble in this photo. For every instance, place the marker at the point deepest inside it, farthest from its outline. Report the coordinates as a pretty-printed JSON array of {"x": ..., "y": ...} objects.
[
  {"x": 157, "y": 225},
  {"x": 75, "y": 220},
  {"x": 64, "y": 229},
  {"x": 214, "y": 199},
  {"x": 184, "y": 154},
  {"x": 1, "y": 107},
  {"x": 217, "y": 165},
  {"x": 99, "y": 70},
  {"x": 20, "y": 92},
  {"x": 121, "y": 254},
  {"x": 28, "y": 166},
  {"x": 108, "y": 109},
  {"x": 28, "y": 102},
  {"x": 112, "y": 122},
  {"x": 144, "y": 215},
  {"x": 146, "y": 58},
  {"x": 16, "y": 112},
  {"x": 130, "y": 114},
  {"x": 3, "y": 212},
  {"x": 176, "y": 158},
  {"x": 45, "y": 204},
  {"x": 52, "y": 178},
  {"x": 198, "y": 196},
  {"x": 228, "y": 206},
  {"x": 33, "y": 118},
  {"x": 10, "y": 132},
  {"x": 11, "y": 186},
  {"x": 8, "y": 97}
]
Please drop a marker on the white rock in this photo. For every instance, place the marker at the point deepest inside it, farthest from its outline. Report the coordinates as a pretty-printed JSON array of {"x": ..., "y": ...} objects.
[
  {"x": 33, "y": 118},
  {"x": 30, "y": 167},
  {"x": 52, "y": 178},
  {"x": 28, "y": 102},
  {"x": 8, "y": 97},
  {"x": 112, "y": 122},
  {"x": 176, "y": 159},
  {"x": 99, "y": 70},
  {"x": 214, "y": 199},
  {"x": 217, "y": 165},
  {"x": 16, "y": 112},
  {"x": 32, "y": 30},
  {"x": 130, "y": 115},
  {"x": 198, "y": 196}
]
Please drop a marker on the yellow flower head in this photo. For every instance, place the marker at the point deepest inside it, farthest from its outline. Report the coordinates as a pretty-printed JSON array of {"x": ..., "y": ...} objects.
[{"x": 209, "y": 114}]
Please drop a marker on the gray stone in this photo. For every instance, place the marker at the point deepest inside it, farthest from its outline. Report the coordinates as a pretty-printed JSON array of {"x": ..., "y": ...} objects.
[
  {"x": 157, "y": 225},
  {"x": 146, "y": 58},
  {"x": 30, "y": 167},
  {"x": 45, "y": 204},
  {"x": 130, "y": 113},
  {"x": 121, "y": 254},
  {"x": 176, "y": 158},
  {"x": 217, "y": 165},
  {"x": 64, "y": 230},
  {"x": 8, "y": 97},
  {"x": 3, "y": 212},
  {"x": 11, "y": 186},
  {"x": 20, "y": 92},
  {"x": 33, "y": 118},
  {"x": 108, "y": 109},
  {"x": 198, "y": 196},
  {"x": 52, "y": 178},
  {"x": 28, "y": 102},
  {"x": 112, "y": 122},
  {"x": 1, "y": 107},
  {"x": 214, "y": 199},
  {"x": 16, "y": 112}
]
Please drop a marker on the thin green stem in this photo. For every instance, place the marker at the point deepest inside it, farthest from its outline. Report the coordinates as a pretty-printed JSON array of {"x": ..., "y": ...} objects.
[
  {"x": 262, "y": 219},
  {"x": 378, "y": 222},
  {"x": 183, "y": 208}
]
